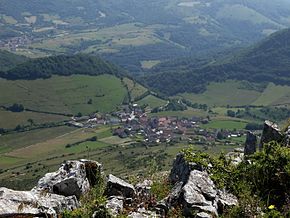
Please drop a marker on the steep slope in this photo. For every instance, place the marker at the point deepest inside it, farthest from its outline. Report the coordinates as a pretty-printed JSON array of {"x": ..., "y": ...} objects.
[
  {"x": 267, "y": 61},
  {"x": 9, "y": 60},
  {"x": 61, "y": 65}
]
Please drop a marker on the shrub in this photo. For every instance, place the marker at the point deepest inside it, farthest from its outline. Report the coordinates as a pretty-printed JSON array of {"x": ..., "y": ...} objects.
[{"x": 260, "y": 181}]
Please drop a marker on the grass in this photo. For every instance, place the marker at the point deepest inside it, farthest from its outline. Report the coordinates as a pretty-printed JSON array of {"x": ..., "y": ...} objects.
[
  {"x": 235, "y": 94},
  {"x": 149, "y": 64},
  {"x": 8, "y": 19},
  {"x": 65, "y": 94},
  {"x": 225, "y": 124},
  {"x": 152, "y": 101},
  {"x": 10, "y": 120},
  {"x": 223, "y": 94},
  {"x": 274, "y": 95},
  {"x": 19, "y": 140},
  {"x": 135, "y": 89},
  {"x": 115, "y": 140},
  {"x": 187, "y": 113},
  {"x": 36, "y": 160},
  {"x": 243, "y": 13},
  {"x": 111, "y": 38}
]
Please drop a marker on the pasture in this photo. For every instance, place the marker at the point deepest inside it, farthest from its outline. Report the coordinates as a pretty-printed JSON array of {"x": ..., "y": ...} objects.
[{"x": 62, "y": 94}]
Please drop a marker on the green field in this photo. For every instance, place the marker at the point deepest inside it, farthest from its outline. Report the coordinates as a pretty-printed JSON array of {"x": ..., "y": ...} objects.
[
  {"x": 19, "y": 140},
  {"x": 65, "y": 94},
  {"x": 111, "y": 39},
  {"x": 225, "y": 124},
  {"x": 236, "y": 93},
  {"x": 152, "y": 101},
  {"x": 27, "y": 164},
  {"x": 134, "y": 88},
  {"x": 149, "y": 64},
  {"x": 187, "y": 113},
  {"x": 274, "y": 95},
  {"x": 9, "y": 120}
]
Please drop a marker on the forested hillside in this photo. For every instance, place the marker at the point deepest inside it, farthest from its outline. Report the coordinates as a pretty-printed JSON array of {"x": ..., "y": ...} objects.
[
  {"x": 9, "y": 60},
  {"x": 61, "y": 65},
  {"x": 131, "y": 32},
  {"x": 267, "y": 61}
]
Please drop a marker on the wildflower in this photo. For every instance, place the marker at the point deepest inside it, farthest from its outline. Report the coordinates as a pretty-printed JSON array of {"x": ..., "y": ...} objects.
[{"x": 271, "y": 207}]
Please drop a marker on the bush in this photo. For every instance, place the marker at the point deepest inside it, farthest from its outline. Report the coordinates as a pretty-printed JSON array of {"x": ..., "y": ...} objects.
[
  {"x": 16, "y": 108},
  {"x": 260, "y": 181}
]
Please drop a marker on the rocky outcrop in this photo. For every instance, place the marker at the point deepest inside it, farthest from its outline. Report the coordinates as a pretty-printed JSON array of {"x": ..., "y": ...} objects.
[
  {"x": 54, "y": 193},
  {"x": 34, "y": 204},
  {"x": 236, "y": 156},
  {"x": 288, "y": 136},
  {"x": 143, "y": 213},
  {"x": 271, "y": 132},
  {"x": 73, "y": 178},
  {"x": 197, "y": 193},
  {"x": 251, "y": 143},
  {"x": 118, "y": 187},
  {"x": 115, "y": 205},
  {"x": 181, "y": 169}
]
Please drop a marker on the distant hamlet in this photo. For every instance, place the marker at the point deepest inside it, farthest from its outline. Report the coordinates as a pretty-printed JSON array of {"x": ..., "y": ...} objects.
[{"x": 197, "y": 186}]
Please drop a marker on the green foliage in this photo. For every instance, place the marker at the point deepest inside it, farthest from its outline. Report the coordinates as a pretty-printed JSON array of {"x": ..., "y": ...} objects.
[
  {"x": 9, "y": 60},
  {"x": 16, "y": 108},
  {"x": 268, "y": 61},
  {"x": 160, "y": 188},
  {"x": 62, "y": 65},
  {"x": 272, "y": 113},
  {"x": 231, "y": 113},
  {"x": 254, "y": 126},
  {"x": 260, "y": 181},
  {"x": 173, "y": 105}
]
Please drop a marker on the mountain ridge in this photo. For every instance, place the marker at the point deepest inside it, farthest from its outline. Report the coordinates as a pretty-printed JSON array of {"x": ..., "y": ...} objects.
[
  {"x": 266, "y": 61},
  {"x": 61, "y": 65}
]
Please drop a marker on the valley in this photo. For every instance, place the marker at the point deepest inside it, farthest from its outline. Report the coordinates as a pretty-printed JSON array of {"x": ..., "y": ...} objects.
[{"x": 131, "y": 84}]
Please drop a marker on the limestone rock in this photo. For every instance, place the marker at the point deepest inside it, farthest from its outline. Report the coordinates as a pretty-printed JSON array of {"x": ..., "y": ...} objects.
[
  {"x": 72, "y": 178},
  {"x": 143, "y": 213},
  {"x": 144, "y": 187},
  {"x": 115, "y": 205},
  {"x": 118, "y": 187},
  {"x": 251, "y": 143},
  {"x": 225, "y": 199},
  {"x": 28, "y": 203},
  {"x": 288, "y": 136},
  {"x": 203, "y": 215},
  {"x": 199, "y": 193},
  {"x": 181, "y": 169},
  {"x": 236, "y": 157},
  {"x": 271, "y": 132}
]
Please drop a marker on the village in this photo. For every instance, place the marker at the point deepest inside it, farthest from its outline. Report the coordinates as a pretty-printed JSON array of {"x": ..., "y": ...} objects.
[
  {"x": 133, "y": 122},
  {"x": 13, "y": 43}
]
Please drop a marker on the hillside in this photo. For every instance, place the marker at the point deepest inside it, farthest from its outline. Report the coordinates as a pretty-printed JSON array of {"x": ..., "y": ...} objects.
[
  {"x": 8, "y": 60},
  {"x": 61, "y": 65},
  {"x": 267, "y": 61},
  {"x": 131, "y": 32}
]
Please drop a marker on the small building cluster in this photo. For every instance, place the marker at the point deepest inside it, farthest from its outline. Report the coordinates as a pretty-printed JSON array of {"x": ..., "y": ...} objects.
[{"x": 133, "y": 121}]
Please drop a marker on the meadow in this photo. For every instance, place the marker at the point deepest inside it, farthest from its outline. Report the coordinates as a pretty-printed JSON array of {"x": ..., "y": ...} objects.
[
  {"x": 235, "y": 93},
  {"x": 66, "y": 95}
]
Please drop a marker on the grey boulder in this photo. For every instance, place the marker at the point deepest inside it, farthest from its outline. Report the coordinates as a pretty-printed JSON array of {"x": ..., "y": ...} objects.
[
  {"x": 31, "y": 204},
  {"x": 72, "y": 178},
  {"x": 118, "y": 187}
]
